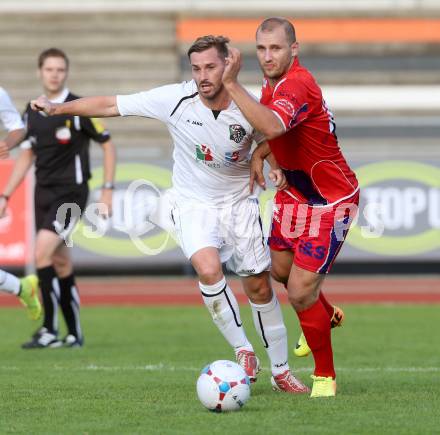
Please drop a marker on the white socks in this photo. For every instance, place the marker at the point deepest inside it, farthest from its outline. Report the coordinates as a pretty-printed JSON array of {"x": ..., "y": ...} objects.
[
  {"x": 223, "y": 307},
  {"x": 269, "y": 323},
  {"x": 9, "y": 283},
  {"x": 268, "y": 320}
]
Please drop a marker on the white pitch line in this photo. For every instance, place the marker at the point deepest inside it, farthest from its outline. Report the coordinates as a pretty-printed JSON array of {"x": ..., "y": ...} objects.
[
  {"x": 165, "y": 367},
  {"x": 147, "y": 368},
  {"x": 169, "y": 368}
]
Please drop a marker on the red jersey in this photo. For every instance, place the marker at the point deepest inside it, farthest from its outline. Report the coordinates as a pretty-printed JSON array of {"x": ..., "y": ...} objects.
[{"x": 308, "y": 152}]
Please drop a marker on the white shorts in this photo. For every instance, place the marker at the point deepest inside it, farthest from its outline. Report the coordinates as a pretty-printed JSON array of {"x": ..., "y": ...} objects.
[{"x": 236, "y": 232}]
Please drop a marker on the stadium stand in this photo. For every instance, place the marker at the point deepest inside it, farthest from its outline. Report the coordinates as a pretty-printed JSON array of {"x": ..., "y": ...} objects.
[
  {"x": 123, "y": 47},
  {"x": 377, "y": 61},
  {"x": 110, "y": 53}
]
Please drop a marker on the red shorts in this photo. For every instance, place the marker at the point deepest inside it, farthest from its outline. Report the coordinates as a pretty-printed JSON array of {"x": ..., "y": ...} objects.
[{"x": 314, "y": 234}]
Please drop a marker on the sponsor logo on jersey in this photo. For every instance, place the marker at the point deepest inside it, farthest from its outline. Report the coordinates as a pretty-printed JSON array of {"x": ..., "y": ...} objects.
[
  {"x": 199, "y": 123},
  {"x": 203, "y": 153},
  {"x": 232, "y": 156},
  {"x": 286, "y": 106},
  {"x": 294, "y": 119},
  {"x": 236, "y": 133}
]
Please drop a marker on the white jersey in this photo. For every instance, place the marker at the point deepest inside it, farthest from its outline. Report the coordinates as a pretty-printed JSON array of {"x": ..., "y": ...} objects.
[
  {"x": 9, "y": 116},
  {"x": 211, "y": 149}
]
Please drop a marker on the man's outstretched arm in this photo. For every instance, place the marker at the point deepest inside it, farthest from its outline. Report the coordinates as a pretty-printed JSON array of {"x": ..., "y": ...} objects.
[
  {"x": 96, "y": 107},
  {"x": 13, "y": 138}
]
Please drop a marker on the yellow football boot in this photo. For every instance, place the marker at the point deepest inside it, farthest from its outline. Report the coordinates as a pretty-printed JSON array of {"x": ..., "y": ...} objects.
[
  {"x": 29, "y": 296},
  {"x": 302, "y": 348},
  {"x": 323, "y": 387}
]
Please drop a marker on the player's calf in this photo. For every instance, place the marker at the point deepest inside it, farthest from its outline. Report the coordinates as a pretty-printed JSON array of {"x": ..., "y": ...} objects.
[{"x": 302, "y": 348}]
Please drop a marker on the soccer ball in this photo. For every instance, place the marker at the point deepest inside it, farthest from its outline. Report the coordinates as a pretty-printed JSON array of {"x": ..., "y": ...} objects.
[{"x": 223, "y": 386}]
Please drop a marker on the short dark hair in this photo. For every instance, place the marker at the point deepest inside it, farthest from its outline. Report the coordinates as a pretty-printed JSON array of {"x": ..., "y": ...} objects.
[
  {"x": 269, "y": 24},
  {"x": 206, "y": 42},
  {"x": 52, "y": 52}
]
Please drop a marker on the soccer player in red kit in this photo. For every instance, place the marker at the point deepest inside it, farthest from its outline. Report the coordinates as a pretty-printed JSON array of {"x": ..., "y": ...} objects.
[{"x": 312, "y": 217}]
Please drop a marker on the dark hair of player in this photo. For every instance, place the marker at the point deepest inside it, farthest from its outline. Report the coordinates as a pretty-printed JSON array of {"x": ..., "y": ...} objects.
[
  {"x": 52, "y": 52},
  {"x": 270, "y": 24},
  {"x": 206, "y": 42}
]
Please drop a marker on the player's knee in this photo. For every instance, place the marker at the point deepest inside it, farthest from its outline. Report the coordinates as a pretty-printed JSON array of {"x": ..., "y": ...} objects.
[
  {"x": 60, "y": 263},
  {"x": 298, "y": 300},
  {"x": 301, "y": 291},
  {"x": 261, "y": 294},
  {"x": 301, "y": 294},
  {"x": 279, "y": 275},
  {"x": 210, "y": 274},
  {"x": 42, "y": 257}
]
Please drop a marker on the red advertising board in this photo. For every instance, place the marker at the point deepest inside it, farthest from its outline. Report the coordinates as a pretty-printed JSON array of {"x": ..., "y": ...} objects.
[{"x": 16, "y": 227}]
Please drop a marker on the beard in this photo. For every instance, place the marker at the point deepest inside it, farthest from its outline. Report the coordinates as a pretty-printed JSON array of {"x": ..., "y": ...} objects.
[
  {"x": 213, "y": 91},
  {"x": 273, "y": 71},
  {"x": 277, "y": 69}
]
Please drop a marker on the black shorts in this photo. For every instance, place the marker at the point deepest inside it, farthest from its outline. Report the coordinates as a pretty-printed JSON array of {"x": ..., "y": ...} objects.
[{"x": 69, "y": 202}]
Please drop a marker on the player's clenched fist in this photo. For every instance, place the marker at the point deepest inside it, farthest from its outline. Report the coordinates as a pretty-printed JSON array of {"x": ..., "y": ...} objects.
[
  {"x": 232, "y": 66},
  {"x": 42, "y": 104},
  {"x": 278, "y": 179}
]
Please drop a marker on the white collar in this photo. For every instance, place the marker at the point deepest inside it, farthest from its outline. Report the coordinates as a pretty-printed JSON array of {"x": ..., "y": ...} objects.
[{"x": 62, "y": 97}]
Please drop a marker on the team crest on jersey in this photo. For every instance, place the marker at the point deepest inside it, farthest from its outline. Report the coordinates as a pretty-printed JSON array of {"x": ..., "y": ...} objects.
[
  {"x": 236, "y": 133},
  {"x": 63, "y": 135}
]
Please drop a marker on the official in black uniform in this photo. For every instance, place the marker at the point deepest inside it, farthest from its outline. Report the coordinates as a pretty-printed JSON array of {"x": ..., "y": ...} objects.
[{"x": 59, "y": 146}]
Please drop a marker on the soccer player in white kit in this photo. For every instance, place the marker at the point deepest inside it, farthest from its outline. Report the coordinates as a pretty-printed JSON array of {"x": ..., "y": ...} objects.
[
  {"x": 26, "y": 288},
  {"x": 214, "y": 216}
]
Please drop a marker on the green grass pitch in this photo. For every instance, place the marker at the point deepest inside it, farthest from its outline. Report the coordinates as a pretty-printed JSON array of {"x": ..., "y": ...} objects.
[{"x": 137, "y": 375}]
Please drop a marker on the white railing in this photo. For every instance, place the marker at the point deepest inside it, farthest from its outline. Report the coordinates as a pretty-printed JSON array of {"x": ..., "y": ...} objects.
[{"x": 379, "y": 98}]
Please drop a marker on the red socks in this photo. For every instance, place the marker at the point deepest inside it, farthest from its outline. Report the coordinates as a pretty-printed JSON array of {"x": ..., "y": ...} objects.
[
  {"x": 315, "y": 323},
  {"x": 328, "y": 307}
]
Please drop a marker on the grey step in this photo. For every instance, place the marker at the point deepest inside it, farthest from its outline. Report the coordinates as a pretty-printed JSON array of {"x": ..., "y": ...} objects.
[
  {"x": 90, "y": 41},
  {"x": 83, "y": 21},
  {"x": 24, "y": 50},
  {"x": 102, "y": 75},
  {"x": 134, "y": 59}
]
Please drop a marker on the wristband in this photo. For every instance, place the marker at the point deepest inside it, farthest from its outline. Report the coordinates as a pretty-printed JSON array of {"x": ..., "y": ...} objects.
[{"x": 108, "y": 185}]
